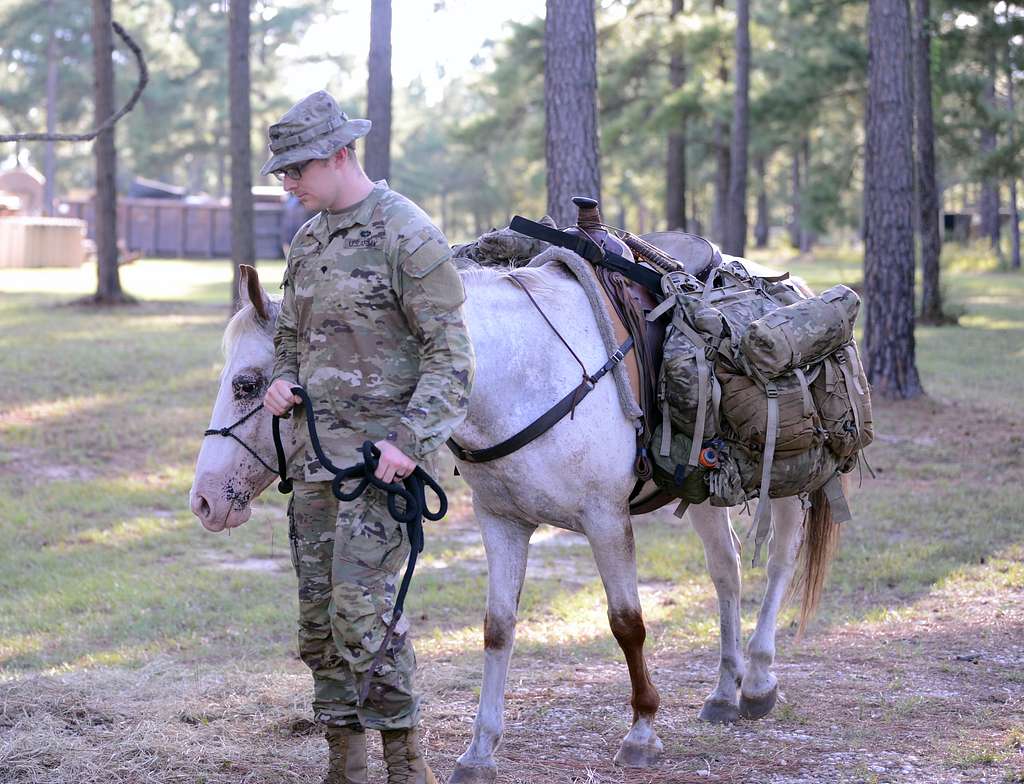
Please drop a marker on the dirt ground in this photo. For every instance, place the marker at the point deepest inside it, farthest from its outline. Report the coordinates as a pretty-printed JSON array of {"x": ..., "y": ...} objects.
[{"x": 934, "y": 696}]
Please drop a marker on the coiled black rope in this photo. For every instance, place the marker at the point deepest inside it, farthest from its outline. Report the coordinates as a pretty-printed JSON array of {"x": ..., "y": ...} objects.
[{"x": 411, "y": 492}]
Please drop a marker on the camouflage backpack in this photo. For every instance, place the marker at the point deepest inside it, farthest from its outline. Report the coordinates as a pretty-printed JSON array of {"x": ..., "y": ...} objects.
[{"x": 762, "y": 391}]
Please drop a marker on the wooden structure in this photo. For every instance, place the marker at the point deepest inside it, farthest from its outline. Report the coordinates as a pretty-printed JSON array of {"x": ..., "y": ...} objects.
[
  {"x": 170, "y": 228},
  {"x": 41, "y": 242},
  {"x": 26, "y": 184}
]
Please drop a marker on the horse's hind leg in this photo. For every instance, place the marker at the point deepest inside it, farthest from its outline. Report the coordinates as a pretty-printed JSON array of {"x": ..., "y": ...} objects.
[
  {"x": 760, "y": 687},
  {"x": 722, "y": 554},
  {"x": 616, "y": 561},
  {"x": 506, "y": 543}
]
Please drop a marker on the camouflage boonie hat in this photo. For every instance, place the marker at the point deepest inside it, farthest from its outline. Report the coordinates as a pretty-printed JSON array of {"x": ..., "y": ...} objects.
[{"x": 315, "y": 128}]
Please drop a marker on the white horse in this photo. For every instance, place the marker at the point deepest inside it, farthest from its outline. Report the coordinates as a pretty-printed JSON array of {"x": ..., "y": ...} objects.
[{"x": 577, "y": 476}]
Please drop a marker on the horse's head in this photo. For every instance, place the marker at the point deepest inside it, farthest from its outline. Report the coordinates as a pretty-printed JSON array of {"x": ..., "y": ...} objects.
[{"x": 228, "y": 476}]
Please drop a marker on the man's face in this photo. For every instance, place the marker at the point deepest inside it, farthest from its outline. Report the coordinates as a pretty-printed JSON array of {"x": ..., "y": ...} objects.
[{"x": 318, "y": 184}]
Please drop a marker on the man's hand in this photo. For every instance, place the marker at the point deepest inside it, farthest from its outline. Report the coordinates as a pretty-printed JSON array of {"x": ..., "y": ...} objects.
[
  {"x": 279, "y": 399},
  {"x": 393, "y": 463}
]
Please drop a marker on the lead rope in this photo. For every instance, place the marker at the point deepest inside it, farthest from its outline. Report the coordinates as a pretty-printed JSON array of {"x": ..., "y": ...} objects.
[{"x": 412, "y": 493}]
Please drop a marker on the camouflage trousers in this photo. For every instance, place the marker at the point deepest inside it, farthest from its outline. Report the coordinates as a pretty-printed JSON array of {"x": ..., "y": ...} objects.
[{"x": 348, "y": 558}]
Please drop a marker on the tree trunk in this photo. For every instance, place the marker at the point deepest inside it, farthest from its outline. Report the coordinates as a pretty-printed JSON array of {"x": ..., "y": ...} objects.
[
  {"x": 570, "y": 106},
  {"x": 761, "y": 226},
  {"x": 675, "y": 181},
  {"x": 889, "y": 205},
  {"x": 927, "y": 190},
  {"x": 243, "y": 241},
  {"x": 989, "y": 202},
  {"x": 108, "y": 279},
  {"x": 50, "y": 152},
  {"x": 807, "y": 236},
  {"x": 794, "y": 224},
  {"x": 735, "y": 238},
  {"x": 1014, "y": 214},
  {"x": 378, "y": 92},
  {"x": 720, "y": 136}
]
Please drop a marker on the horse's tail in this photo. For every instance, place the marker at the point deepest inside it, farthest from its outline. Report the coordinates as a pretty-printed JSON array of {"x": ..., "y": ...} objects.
[{"x": 821, "y": 539}]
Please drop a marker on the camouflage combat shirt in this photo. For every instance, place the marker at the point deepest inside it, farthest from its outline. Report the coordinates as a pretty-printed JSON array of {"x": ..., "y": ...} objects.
[{"x": 371, "y": 326}]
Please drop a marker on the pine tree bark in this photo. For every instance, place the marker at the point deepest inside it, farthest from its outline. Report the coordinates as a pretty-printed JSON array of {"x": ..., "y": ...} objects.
[
  {"x": 723, "y": 159},
  {"x": 1014, "y": 212},
  {"x": 735, "y": 238},
  {"x": 675, "y": 181},
  {"x": 378, "y": 92},
  {"x": 927, "y": 189},
  {"x": 989, "y": 201},
  {"x": 108, "y": 279},
  {"x": 761, "y": 224},
  {"x": 50, "y": 151},
  {"x": 795, "y": 221},
  {"x": 807, "y": 236},
  {"x": 243, "y": 240},
  {"x": 570, "y": 106},
  {"x": 889, "y": 205}
]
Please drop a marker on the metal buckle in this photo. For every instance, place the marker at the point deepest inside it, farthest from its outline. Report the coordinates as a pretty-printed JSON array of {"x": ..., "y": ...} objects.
[
  {"x": 618, "y": 356},
  {"x": 771, "y": 390}
]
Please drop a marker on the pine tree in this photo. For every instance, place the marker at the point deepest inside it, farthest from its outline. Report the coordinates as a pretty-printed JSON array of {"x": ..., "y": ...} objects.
[
  {"x": 570, "y": 106},
  {"x": 735, "y": 234},
  {"x": 108, "y": 278},
  {"x": 889, "y": 205},
  {"x": 378, "y": 92},
  {"x": 243, "y": 239},
  {"x": 927, "y": 190}
]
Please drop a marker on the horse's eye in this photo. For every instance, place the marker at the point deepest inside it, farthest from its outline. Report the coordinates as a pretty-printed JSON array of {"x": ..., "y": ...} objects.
[{"x": 247, "y": 387}]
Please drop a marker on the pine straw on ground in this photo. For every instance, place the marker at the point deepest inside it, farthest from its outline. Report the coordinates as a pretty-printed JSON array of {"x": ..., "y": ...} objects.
[{"x": 934, "y": 695}]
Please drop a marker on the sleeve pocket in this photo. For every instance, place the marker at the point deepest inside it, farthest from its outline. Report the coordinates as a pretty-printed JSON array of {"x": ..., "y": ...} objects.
[{"x": 426, "y": 253}]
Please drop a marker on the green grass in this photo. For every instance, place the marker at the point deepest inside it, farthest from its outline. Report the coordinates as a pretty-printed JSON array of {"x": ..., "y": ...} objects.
[{"x": 101, "y": 416}]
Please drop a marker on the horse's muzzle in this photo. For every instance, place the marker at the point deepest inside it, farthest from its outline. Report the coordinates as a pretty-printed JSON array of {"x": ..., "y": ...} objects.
[{"x": 216, "y": 513}]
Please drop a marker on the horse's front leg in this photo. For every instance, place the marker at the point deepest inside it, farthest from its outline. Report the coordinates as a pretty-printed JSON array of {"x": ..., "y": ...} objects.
[
  {"x": 611, "y": 539},
  {"x": 722, "y": 554},
  {"x": 760, "y": 687},
  {"x": 506, "y": 543}
]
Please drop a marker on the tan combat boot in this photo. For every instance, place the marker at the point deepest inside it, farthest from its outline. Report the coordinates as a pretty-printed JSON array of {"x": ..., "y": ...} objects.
[
  {"x": 404, "y": 759},
  {"x": 347, "y": 760}
]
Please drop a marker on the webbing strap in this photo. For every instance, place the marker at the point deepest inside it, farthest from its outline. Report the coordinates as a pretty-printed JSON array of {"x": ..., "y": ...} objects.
[
  {"x": 805, "y": 391},
  {"x": 703, "y": 380},
  {"x": 763, "y": 516},
  {"x": 709, "y": 284},
  {"x": 851, "y": 386},
  {"x": 702, "y": 411},
  {"x": 543, "y": 423},
  {"x": 854, "y": 364},
  {"x": 666, "y": 304},
  {"x": 837, "y": 500},
  {"x": 666, "y": 428},
  {"x": 716, "y": 399}
]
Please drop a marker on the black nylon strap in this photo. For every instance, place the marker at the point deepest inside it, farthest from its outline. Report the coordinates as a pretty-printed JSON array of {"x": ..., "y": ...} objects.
[
  {"x": 590, "y": 250},
  {"x": 545, "y": 421}
]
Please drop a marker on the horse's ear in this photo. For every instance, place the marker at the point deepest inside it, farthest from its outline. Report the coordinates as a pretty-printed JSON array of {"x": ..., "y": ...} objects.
[{"x": 250, "y": 290}]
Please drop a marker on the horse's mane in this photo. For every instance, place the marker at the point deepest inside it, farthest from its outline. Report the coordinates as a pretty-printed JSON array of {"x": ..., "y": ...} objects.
[
  {"x": 541, "y": 281},
  {"x": 246, "y": 322}
]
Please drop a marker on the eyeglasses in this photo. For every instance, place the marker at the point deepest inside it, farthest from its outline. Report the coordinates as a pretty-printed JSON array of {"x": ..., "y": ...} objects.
[{"x": 291, "y": 172}]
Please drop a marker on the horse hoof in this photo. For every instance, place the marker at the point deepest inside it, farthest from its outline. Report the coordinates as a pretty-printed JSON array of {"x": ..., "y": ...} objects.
[
  {"x": 474, "y": 774},
  {"x": 638, "y": 755},
  {"x": 719, "y": 712},
  {"x": 758, "y": 707}
]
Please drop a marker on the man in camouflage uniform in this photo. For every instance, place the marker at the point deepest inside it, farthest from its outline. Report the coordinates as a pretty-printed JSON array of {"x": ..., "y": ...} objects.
[{"x": 371, "y": 326}]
